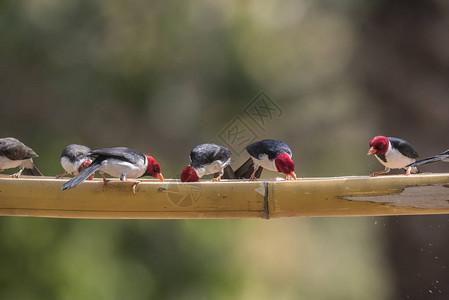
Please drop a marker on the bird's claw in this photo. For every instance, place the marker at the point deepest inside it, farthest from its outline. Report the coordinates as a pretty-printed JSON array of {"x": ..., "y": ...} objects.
[{"x": 135, "y": 186}]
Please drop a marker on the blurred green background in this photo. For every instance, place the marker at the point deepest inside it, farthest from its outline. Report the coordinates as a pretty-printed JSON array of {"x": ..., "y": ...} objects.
[{"x": 164, "y": 76}]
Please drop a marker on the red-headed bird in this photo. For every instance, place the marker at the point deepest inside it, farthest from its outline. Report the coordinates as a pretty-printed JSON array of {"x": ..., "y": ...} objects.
[
  {"x": 272, "y": 155},
  {"x": 393, "y": 153},
  {"x": 13, "y": 154},
  {"x": 206, "y": 159},
  {"x": 119, "y": 162},
  {"x": 74, "y": 159}
]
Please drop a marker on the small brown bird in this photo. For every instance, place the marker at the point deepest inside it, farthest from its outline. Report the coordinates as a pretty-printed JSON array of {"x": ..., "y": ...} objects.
[{"x": 13, "y": 154}]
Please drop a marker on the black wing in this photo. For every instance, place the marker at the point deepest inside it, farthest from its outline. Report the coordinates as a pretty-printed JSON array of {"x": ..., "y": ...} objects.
[
  {"x": 74, "y": 151},
  {"x": 205, "y": 154},
  {"x": 122, "y": 153},
  {"x": 15, "y": 150},
  {"x": 246, "y": 169},
  {"x": 272, "y": 148},
  {"x": 404, "y": 147}
]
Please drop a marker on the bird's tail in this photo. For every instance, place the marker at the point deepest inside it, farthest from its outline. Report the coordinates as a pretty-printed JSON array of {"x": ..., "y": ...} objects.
[
  {"x": 228, "y": 173},
  {"x": 31, "y": 169},
  {"x": 83, "y": 175},
  {"x": 428, "y": 160},
  {"x": 246, "y": 169}
]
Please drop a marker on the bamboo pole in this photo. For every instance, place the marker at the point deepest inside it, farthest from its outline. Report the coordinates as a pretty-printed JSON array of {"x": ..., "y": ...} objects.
[{"x": 328, "y": 196}]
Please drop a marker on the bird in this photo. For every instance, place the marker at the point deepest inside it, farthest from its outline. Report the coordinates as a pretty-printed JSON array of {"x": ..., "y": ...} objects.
[
  {"x": 393, "y": 153},
  {"x": 13, "y": 154},
  {"x": 206, "y": 159},
  {"x": 119, "y": 162},
  {"x": 74, "y": 159},
  {"x": 444, "y": 156},
  {"x": 272, "y": 155}
]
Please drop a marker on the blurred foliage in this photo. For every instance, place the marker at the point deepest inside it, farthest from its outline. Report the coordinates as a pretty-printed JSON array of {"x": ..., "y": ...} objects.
[{"x": 161, "y": 77}]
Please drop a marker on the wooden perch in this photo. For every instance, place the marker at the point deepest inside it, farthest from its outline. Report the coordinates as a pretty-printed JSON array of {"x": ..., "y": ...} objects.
[{"x": 336, "y": 196}]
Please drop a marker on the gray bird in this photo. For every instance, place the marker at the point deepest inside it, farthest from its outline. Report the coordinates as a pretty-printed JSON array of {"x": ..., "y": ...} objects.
[
  {"x": 13, "y": 154},
  {"x": 74, "y": 159}
]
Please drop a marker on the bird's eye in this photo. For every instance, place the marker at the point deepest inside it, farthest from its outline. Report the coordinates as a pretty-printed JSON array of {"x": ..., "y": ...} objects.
[{"x": 381, "y": 146}]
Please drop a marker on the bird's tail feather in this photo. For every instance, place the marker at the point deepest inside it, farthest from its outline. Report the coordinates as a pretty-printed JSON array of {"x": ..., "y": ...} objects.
[
  {"x": 32, "y": 170},
  {"x": 228, "y": 173},
  {"x": 428, "y": 160},
  {"x": 246, "y": 169},
  {"x": 83, "y": 175}
]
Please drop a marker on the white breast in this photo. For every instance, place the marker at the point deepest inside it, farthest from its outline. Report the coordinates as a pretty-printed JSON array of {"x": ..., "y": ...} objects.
[
  {"x": 116, "y": 167},
  {"x": 265, "y": 163},
  {"x": 212, "y": 168},
  {"x": 395, "y": 159},
  {"x": 6, "y": 163}
]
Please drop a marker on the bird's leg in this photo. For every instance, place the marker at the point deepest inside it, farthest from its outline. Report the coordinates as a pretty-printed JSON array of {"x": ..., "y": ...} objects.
[
  {"x": 253, "y": 176},
  {"x": 215, "y": 179},
  {"x": 61, "y": 175},
  {"x": 135, "y": 182},
  {"x": 104, "y": 179},
  {"x": 134, "y": 185},
  {"x": 408, "y": 171},
  {"x": 17, "y": 175},
  {"x": 387, "y": 170}
]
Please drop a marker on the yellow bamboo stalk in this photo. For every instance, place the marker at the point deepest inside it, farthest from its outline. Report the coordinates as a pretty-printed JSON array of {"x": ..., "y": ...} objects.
[{"x": 329, "y": 196}]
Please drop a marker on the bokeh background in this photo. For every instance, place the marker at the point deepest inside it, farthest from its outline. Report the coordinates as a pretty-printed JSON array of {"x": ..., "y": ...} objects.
[{"x": 163, "y": 76}]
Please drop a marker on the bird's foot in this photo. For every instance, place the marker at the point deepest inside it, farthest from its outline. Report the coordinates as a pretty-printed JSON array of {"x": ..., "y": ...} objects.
[
  {"x": 253, "y": 178},
  {"x": 17, "y": 175},
  {"x": 60, "y": 176},
  {"x": 216, "y": 179},
  {"x": 135, "y": 185},
  {"x": 104, "y": 182}
]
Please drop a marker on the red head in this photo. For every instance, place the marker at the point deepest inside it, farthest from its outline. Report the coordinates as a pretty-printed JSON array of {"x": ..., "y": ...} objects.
[
  {"x": 285, "y": 164},
  {"x": 378, "y": 145},
  {"x": 84, "y": 165},
  {"x": 153, "y": 168},
  {"x": 189, "y": 175}
]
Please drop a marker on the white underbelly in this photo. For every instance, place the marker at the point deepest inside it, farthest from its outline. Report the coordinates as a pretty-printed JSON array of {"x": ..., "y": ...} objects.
[
  {"x": 212, "y": 168},
  {"x": 395, "y": 160},
  {"x": 265, "y": 163},
  {"x": 6, "y": 163},
  {"x": 117, "y": 167}
]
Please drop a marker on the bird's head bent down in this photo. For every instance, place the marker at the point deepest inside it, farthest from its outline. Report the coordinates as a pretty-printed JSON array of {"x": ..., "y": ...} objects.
[
  {"x": 189, "y": 175},
  {"x": 285, "y": 164},
  {"x": 153, "y": 168},
  {"x": 84, "y": 165},
  {"x": 378, "y": 145}
]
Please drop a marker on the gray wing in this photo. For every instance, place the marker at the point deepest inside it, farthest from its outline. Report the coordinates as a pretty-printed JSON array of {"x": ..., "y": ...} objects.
[
  {"x": 205, "y": 154},
  {"x": 15, "y": 150},
  {"x": 122, "y": 153}
]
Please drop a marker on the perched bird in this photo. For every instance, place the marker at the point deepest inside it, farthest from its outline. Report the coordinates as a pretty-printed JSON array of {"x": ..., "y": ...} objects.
[
  {"x": 273, "y": 155},
  {"x": 119, "y": 162},
  {"x": 440, "y": 157},
  {"x": 13, "y": 154},
  {"x": 74, "y": 159},
  {"x": 393, "y": 153},
  {"x": 206, "y": 159}
]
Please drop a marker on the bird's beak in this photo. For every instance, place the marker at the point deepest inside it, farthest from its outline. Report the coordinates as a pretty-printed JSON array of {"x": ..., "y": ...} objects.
[
  {"x": 371, "y": 151},
  {"x": 293, "y": 175},
  {"x": 160, "y": 177}
]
